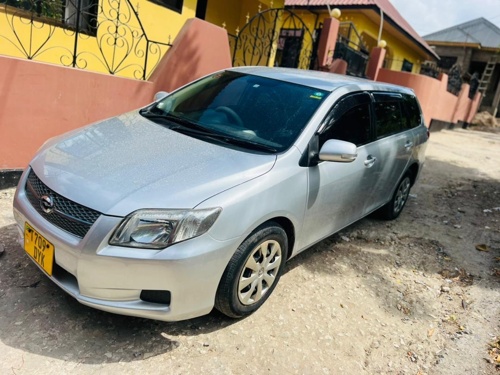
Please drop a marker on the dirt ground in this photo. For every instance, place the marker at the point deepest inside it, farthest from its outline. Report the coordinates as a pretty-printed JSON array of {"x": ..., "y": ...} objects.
[{"x": 412, "y": 296}]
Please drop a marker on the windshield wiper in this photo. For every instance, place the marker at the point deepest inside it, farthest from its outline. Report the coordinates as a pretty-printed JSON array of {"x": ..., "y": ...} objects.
[
  {"x": 191, "y": 128},
  {"x": 165, "y": 116},
  {"x": 207, "y": 133}
]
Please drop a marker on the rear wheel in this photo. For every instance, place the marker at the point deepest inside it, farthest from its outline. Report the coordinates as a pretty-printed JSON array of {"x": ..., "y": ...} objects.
[
  {"x": 395, "y": 206},
  {"x": 253, "y": 271}
]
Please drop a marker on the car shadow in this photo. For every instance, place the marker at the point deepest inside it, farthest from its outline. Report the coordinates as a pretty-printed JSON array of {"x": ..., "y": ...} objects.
[
  {"x": 434, "y": 238},
  {"x": 38, "y": 317}
]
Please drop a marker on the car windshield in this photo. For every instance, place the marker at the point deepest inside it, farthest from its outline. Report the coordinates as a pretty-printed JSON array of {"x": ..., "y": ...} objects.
[{"x": 245, "y": 109}]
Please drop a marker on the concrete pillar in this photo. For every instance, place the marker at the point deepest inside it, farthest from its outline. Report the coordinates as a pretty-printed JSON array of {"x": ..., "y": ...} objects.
[
  {"x": 443, "y": 78},
  {"x": 476, "y": 102},
  {"x": 462, "y": 108},
  {"x": 466, "y": 60},
  {"x": 338, "y": 66},
  {"x": 199, "y": 49},
  {"x": 375, "y": 62},
  {"x": 327, "y": 41}
]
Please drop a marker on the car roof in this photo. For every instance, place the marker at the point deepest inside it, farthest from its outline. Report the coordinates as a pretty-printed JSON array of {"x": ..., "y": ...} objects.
[{"x": 319, "y": 80}]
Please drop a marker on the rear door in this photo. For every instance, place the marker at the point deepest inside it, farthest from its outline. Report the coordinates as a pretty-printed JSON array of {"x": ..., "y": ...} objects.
[{"x": 392, "y": 148}]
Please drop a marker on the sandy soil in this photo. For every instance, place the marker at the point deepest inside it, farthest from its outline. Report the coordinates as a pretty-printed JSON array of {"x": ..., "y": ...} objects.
[{"x": 412, "y": 296}]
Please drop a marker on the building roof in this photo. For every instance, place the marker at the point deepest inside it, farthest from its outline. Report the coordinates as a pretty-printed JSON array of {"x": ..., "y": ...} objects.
[
  {"x": 480, "y": 31},
  {"x": 389, "y": 11}
]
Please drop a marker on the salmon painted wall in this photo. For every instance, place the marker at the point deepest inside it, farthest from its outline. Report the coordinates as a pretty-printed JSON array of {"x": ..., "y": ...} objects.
[
  {"x": 463, "y": 104},
  {"x": 39, "y": 100},
  {"x": 199, "y": 49},
  {"x": 436, "y": 102}
]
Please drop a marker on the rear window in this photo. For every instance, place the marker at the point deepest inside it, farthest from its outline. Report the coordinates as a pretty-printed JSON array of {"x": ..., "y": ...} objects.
[
  {"x": 388, "y": 114},
  {"x": 413, "y": 115}
]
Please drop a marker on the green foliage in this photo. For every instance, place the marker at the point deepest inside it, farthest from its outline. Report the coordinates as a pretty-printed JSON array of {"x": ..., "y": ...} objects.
[{"x": 42, "y": 8}]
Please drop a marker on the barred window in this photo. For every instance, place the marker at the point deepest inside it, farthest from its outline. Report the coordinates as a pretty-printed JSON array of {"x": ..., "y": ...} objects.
[
  {"x": 80, "y": 15},
  {"x": 175, "y": 5}
]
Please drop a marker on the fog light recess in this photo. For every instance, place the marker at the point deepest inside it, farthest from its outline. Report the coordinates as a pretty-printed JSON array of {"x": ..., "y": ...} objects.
[{"x": 156, "y": 296}]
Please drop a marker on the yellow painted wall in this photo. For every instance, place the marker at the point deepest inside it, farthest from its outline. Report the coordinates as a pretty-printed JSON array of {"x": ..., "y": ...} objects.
[
  {"x": 399, "y": 46},
  {"x": 55, "y": 44},
  {"x": 228, "y": 12},
  {"x": 234, "y": 13}
]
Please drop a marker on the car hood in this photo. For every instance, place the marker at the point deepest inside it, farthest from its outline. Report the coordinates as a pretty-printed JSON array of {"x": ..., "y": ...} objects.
[{"x": 128, "y": 162}]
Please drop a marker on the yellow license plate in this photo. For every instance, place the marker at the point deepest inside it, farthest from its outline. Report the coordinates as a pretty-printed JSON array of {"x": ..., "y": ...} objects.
[{"x": 37, "y": 246}]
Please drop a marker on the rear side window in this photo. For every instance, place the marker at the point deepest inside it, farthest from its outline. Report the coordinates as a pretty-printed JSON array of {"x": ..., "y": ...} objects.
[
  {"x": 413, "y": 116},
  {"x": 388, "y": 114}
]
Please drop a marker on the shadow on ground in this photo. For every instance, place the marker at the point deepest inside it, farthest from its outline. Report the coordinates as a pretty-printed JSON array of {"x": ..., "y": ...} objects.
[{"x": 38, "y": 317}]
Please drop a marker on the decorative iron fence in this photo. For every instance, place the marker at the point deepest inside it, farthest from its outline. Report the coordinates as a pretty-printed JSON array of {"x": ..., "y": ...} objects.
[
  {"x": 276, "y": 37},
  {"x": 349, "y": 35},
  {"x": 430, "y": 70},
  {"x": 350, "y": 47},
  {"x": 102, "y": 35},
  {"x": 356, "y": 60},
  {"x": 474, "y": 85},
  {"x": 455, "y": 79}
]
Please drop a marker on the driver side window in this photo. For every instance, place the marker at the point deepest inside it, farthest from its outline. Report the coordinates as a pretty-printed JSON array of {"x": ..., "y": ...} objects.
[{"x": 349, "y": 121}]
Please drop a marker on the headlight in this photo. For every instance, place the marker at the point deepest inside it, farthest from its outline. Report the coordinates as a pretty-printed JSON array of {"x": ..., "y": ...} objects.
[{"x": 156, "y": 229}]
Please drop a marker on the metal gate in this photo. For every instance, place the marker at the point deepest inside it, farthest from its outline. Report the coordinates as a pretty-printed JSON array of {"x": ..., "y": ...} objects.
[{"x": 274, "y": 37}]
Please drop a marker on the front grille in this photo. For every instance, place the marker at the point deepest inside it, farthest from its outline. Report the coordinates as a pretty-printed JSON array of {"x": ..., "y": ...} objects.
[{"x": 66, "y": 214}]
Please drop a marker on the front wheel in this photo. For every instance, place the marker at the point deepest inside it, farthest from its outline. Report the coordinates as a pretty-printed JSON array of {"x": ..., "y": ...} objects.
[
  {"x": 395, "y": 206},
  {"x": 253, "y": 271}
]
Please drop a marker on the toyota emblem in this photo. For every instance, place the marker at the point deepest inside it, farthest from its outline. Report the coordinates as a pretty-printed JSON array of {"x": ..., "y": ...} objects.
[{"x": 47, "y": 203}]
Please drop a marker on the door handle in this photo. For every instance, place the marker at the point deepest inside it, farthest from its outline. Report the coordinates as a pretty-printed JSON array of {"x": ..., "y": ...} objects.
[
  {"x": 408, "y": 145},
  {"x": 370, "y": 160}
]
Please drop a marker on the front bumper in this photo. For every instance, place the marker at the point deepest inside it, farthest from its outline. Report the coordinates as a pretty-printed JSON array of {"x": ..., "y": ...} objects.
[{"x": 111, "y": 278}]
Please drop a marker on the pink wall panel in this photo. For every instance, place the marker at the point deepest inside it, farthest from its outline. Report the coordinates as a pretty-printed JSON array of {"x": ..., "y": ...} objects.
[
  {"x": 375, "y": 62},
  {"x": 39, "y": 101},
  {"x": 437, "y": 103},
  {"x": 476, "y": 102},
  {"x": 199, "y": 49},
  {"x": 463, "y": 104}
]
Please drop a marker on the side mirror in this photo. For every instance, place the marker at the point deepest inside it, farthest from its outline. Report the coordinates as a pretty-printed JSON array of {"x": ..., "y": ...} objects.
[
  {"x": 339, "y": 151},
  {"x": 160, "y": 95}
]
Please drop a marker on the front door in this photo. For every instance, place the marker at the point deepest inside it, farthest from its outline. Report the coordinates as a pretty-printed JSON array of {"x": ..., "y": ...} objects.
[{"x": 337, "y": 192}]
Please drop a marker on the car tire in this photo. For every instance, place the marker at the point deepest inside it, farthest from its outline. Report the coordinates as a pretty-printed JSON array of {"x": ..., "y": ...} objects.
[
  {"x": 395, "y": 206},
  {"x": 253, "y": 271}
]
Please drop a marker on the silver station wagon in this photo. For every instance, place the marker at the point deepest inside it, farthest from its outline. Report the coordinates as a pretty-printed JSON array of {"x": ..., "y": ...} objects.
[{"x": 198, "y": 200}]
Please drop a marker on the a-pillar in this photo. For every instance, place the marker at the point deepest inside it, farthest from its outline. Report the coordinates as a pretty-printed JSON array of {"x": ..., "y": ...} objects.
[{"x": 375, "y": 62}]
